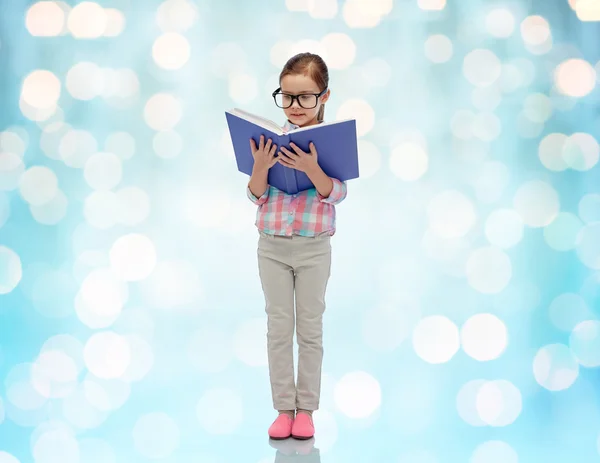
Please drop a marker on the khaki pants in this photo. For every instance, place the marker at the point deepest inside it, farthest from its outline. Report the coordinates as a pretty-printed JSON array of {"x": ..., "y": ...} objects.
[{"x": 295, "y": 266}]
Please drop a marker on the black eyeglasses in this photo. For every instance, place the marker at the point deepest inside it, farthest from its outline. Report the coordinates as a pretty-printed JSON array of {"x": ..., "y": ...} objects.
[{"x": 306, "y": 100}]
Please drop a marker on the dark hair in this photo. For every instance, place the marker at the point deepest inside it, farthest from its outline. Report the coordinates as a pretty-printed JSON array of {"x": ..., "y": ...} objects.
[{"x": 312, "y": 66}]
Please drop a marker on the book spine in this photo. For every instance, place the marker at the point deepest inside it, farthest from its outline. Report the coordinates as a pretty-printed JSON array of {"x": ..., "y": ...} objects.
[{"x": 291, "y": 180}]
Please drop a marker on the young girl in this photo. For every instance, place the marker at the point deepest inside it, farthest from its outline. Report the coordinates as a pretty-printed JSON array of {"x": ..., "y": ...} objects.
[{"x": 294, "y": 250}]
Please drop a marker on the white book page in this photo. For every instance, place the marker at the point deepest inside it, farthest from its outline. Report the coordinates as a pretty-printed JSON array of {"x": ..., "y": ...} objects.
[
  {"x": 258, "y": 120},
  {"x": 322, "y": 124}
]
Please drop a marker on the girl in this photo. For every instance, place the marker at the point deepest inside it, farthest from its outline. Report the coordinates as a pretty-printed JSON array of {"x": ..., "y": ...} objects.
[{"x": 294, "y": 250}]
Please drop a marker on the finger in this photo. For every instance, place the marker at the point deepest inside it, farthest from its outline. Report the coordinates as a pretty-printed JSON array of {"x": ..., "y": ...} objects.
[
  {"x": 285, "y": 163},
  {"x": 253, "y": 145},
  {"x": 312, "y": 148},
  {"x": 288, "y": 153},
  {"x": 273, "y": 150},
  {"x": 296, "y": 149},
  {"x": 268, "y": 145},
  {"x": 261, "y": 145}
]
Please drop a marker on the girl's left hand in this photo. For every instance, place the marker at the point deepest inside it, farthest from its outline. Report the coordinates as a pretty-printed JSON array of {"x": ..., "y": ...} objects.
[{"x": 299, "y": 160}]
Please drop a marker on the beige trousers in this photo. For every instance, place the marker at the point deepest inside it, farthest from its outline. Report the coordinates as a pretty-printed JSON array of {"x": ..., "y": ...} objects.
[{"x": 294, "y": 268}]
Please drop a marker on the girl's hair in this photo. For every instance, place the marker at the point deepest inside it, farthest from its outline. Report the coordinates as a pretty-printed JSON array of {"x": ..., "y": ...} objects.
[{"x": 312, "y": 66}]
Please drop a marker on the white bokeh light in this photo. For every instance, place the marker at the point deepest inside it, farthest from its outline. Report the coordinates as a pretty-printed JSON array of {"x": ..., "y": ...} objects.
[
  {"x": 171, "y": 51},
  {"x": 6, "y": 457},
  {"x": 54, "y": 374},
  {"x": 45, "y": 19},
  {"x": 357, "y": 394},
  {"x": 494, "y": 451},
  {"x": 38, "y": 185},
  {"x": 451, "y": 214},
  {"x": 340, "y": 50},
  {"x": 220, "y": 411},
  {"x": 575, "y": 77},
  {"x": 438, "y": 48},
  {"x": 550, "y": 152},
  {"x": 504, "y": 228},
  {"x": 156, "y": 435},
  {"x": 409, "y": 161},
  {"x": 162, "y": 111},
  {"x": 11, "y": 270},
  {"x": 107, "y": 355},
  {"x": 436, "y": 339},
  {"x": 585, "y": 343},
  {"x": 561, "y": 234},
  {"x": 567, "y": 310},
  {"x": 484, "y": 337},
  {"x": 499, "y": 403},
  {"x": 103, "y": 171},
  {"x": 87, "y": 20},
  {"x": 466, "y": 402},
  {"x": 103, "y": 292},
  {"x": 133, "y": 257},
  {"x": 537, "y": 203},
  {"x": 500, "y": 23},
  {"x": 51, "y": 212},
  {"x": 85, "y": 81},
  {"x": 176, "y": 15},
  {"x": 482, "y": 67},
  {"x": 581, "y": 151},
  {"x": 361, "y": 111},
  {"x": 489, "y": 270},
  {"x": 56, "y": 445},
  {"x": 41, "y": 89},
  {"x": 555, "y": 367},
  {"x": 76, "y": 147}
]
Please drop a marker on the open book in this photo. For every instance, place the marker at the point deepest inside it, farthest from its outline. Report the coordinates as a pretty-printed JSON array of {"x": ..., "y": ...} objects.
[{"x": 335, "y": 142}]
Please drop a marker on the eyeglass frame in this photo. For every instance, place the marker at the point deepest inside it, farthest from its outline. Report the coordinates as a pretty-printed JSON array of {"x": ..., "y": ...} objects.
[{"x": 297, "y": 97}]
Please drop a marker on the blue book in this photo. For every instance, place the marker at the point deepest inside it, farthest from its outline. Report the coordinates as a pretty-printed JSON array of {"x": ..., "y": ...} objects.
[{"x": 335, "y": 142}]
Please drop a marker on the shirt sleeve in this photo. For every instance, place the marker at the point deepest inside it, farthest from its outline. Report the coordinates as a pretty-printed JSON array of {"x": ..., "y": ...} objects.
[
  {"x": 258, "y": 201},
  {"x": 337, "y": 195}
]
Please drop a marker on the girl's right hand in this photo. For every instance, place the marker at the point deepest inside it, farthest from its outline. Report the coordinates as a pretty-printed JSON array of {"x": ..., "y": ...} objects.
[{"x": 264, "y": 155}]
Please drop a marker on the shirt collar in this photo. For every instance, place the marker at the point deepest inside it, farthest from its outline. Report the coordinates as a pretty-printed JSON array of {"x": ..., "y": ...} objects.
[{"x": 289, "y": 126}]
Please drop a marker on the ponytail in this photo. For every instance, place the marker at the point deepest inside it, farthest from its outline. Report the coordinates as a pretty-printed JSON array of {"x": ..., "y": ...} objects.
[{"x": 321, "y": 113}]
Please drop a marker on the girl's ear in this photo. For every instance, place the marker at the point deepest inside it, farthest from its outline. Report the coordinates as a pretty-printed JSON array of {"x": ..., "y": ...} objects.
[{"x": 325, "y": 96}]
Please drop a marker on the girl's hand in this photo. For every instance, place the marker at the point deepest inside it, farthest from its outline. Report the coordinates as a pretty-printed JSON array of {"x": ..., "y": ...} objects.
[
  {"x": 299, "y": 160},
  {"x": 264, "y": 155}
]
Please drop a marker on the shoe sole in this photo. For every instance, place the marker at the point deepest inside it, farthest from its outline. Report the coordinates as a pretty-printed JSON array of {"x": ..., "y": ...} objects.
[
  {"x": 302, "y": 437},
  {"x": 280, "y": 438}
]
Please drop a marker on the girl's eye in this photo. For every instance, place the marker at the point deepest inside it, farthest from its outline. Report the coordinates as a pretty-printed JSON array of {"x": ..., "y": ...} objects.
[{"x": 306, "y": 97}]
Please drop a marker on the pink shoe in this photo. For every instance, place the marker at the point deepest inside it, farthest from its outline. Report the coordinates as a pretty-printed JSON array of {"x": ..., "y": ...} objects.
[
  {"x": 281, "y": 427},
  {"x": 303, "y": 427}
]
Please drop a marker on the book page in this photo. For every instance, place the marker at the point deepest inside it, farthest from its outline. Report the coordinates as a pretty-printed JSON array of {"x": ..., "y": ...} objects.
[
  {"x": 258, "y": 120},
  {"x": 322, "y": 124}
]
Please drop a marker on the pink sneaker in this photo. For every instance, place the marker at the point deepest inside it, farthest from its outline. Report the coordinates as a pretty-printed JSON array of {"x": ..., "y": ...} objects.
[
  {"x": 303, "y": 427},
  {"x": 281, "y": 427}
]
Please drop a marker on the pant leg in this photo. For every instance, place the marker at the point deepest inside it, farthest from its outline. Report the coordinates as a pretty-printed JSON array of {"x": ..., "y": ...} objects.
[
  {"x": 277, "y": 279},
  {"x": 313, "y": 267}
]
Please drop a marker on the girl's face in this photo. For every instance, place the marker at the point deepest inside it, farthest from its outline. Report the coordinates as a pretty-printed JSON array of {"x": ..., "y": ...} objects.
[{"x": 299, "y": 84}]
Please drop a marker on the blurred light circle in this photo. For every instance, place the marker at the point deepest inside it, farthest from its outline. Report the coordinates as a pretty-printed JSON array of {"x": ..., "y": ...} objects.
[
  {"x": 436, "y": 339},
  {"x": 45, "y": 19},
  {"x": 68, "y": 344},
  {"x": 171, "y": 51},
  {"x": 76, "y": 147},
  {"x": 432, "y": 5},
  {"x": 360, "y": 110},
  {"x": 369, "y": 158},
  {"x": 156, "y": 435},
  {"x": 279, "y": 54},
  {"x": 585, "y": 343},
  {"x": 488, "y": 270},
  {"x": 134, "y": 206},
  {"x": 451, "y": 214},
  {"x": 162, "y": 111},
  {"x": 438, "y": 48},
  {"x": 466, "y": 402},
  {"x": 589, "y": 208},
  {"x": 103, "y": 171},
  {"x": 104, "y": 292},
  {"x": 11, "y": 271},
  {"x": 51, "y": 212},
  {"x": 359, "y": 14},
  {"x": 484, "y": 337},
  {"x": 308, "y": 45},
  {"x": 176, "y": 15},
  {"x": 6, "y": 457},
  {"x": 504, "y": 228},
  {"x": 588, "y": 245},
  {"x": 133, "y": 257},
  {"x": 550, "y": 152},
  {"x": 248, "y": 342},
  {"x": 494, "y": 451},
  {"x": 555, "y": 367},
  {"x": 537, "y": 107},
  {"x": 85, "y": 81},
  {"x": 499, "y": 403},
  {"x": 409, "y": 161},
  {"x": 575, "y": 77},
  {"x": 537, "y": 203},
  {"x": 13, "y": 140},
  {"x": 561, "y": 234},
  {"x": 567, "y": 310},
  {"x": 482, "y": 67},
  {"x": 357, "y": 394},
  {"x": 167, "y": 144},
  {"x": 297, "y": 5},
  {"x": 38, "y": 185},
  {"x": 54, "y": 374},
  {"x": 11, "y": 170},
  {"x": 87, "y": 20},
  {"x": 41, "y": 89},
  {"x": 107, "y": 355},
  {"x": 581, "y": 151},
  {"x": 102, "y": 209},
  {"x": 535, "y": 30},
  {"x": 120, "y": 143},
  {"x": 341, "y": 50},
  {"x": 115, "y": 22},
  {"x": 243, "y": 88},
  {"x": 500, "y": 23},
  {"x": 220, "y": 411},
  {"x": 54, "y": 446},
  {"x": 106, "y": 394}
]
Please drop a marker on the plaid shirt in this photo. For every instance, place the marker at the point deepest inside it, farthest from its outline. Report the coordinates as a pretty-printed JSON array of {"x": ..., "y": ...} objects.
[{"x": 307, "y": 213}]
